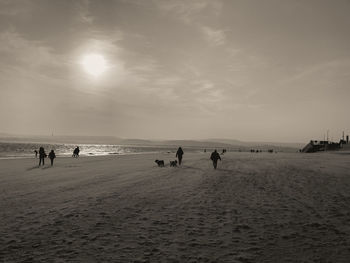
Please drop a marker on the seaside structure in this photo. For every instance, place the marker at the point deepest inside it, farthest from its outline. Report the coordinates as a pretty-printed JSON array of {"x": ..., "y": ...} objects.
[{"x": 318, "y": 146}]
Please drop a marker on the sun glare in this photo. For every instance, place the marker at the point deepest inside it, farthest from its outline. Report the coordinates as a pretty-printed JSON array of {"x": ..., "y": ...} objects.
[{"x": 94, "y": 64}]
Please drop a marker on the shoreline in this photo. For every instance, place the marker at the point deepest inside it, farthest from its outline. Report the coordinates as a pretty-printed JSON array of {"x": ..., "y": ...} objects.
[{"x": 80, "y": 156}]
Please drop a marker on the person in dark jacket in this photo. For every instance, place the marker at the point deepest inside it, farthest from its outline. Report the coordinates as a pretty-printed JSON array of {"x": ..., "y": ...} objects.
[
  {"x": 179, "y": 154},
  {"x": 52, "y": 156},
  {"x": 76, "y": 152},
  {"x": 42, "y": 155},
  {"x": 215, "y": 156}
]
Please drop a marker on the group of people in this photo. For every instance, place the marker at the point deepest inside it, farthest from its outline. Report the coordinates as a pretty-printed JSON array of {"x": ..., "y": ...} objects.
[
  {"x": 43, "y": 155},
  {"x": 215, "y": 156},
  {"x": 52, "y": 155}
]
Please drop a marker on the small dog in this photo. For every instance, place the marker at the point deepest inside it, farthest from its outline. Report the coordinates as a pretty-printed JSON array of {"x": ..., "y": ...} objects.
[
  {"x": 173, "y": 163},
  {"x": 160, "y": 163}
]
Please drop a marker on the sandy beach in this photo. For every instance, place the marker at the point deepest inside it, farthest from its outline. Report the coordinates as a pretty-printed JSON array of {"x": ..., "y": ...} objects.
[{"x": 256, "y": 207}]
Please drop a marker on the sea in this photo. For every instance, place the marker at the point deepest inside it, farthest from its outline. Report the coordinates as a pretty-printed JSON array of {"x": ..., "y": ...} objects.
[{"x": 12, "y": 150}]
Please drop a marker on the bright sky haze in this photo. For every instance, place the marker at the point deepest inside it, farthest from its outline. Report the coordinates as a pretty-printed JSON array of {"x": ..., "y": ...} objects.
[{"x": 250, "y": 70}]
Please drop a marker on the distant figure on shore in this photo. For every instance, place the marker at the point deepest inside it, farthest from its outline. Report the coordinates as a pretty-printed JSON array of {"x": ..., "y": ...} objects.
[
  {"x": 52, "y": 156},
  {"x": 36, "y": 153},
  {"x": 42, "y": 155},
  {"x": 76, "y": 152},
  {"x": 179, "y": 154},
  {"x": 215, "y": 156}
]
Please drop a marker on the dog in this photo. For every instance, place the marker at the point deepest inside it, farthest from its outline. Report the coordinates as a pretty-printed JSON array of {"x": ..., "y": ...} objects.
[
  {"x": 160, "y": 163},
  {"x": 173, "y": 163}
]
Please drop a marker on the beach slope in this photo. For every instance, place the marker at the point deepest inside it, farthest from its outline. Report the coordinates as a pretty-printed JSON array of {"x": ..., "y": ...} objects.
[{"x": 256, "y": 207}]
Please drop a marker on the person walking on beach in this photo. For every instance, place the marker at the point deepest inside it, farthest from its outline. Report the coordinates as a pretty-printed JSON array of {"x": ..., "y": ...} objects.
[
  {"x": 36, "y": 153},
  {"x": 42, "y": 156},
  {"x": 215, "y": 156},
  {"x": 52, "y": 156},
  {"x": 76, "y": 152},
  {"x": 179, "y": 154}
]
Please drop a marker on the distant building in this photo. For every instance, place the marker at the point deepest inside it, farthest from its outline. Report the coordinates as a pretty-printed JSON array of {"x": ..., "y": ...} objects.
[{"x": 319, "y": 146}]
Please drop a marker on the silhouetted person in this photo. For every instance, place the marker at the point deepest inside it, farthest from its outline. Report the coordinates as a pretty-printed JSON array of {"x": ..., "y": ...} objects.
[
  {"x": 179, "y": 154},
  {"x": 76, "y": 152},
  {"x": 36, "y": 153},
  {"x": 215, "y": 156},
  {"x": 42, "y": 155},
  {"x": 52, "y": 156}
]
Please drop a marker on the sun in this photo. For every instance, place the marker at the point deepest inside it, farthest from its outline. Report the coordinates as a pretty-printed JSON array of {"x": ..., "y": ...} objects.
[{"x": 94, "y": 64}]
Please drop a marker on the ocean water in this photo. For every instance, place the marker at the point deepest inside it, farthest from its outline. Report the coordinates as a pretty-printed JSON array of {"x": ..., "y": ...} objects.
[{"x": 26, "y": 150}]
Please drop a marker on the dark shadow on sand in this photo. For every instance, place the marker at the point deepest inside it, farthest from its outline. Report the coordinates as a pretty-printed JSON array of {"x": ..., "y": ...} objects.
[
  {"x": 191, "y": 167},
  {"x": 224, "y": 170},
  {"x": 32, "y": 168},
  {"x": 38, "y": 167},
  {"x": 343, "y": 153}
]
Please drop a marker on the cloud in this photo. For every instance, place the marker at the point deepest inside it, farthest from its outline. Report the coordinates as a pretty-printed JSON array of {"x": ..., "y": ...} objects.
[
  {"x": 322, "y": 70},
  {"x": 15, "y": 8},
  {"x": 187, "y": 11},
  {"x": 83, "y": 13},
  {"x": 205, "y": 96},
  {"x": 201, "y": 58},
  {"x": 28, "y": 56},
  {"x": 214, "y": 37},
  {"x": 168, "y": 81}
]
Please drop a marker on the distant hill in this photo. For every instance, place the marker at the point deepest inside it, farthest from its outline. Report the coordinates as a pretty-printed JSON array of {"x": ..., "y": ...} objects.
[
  {"x": 194, "y": 143},
  {"x": 256, "y": 144},
  {"x": 137, "y": 142}
]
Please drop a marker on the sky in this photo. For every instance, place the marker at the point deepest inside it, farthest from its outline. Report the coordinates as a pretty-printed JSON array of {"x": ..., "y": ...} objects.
[{"x": 271, "y": 70}]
